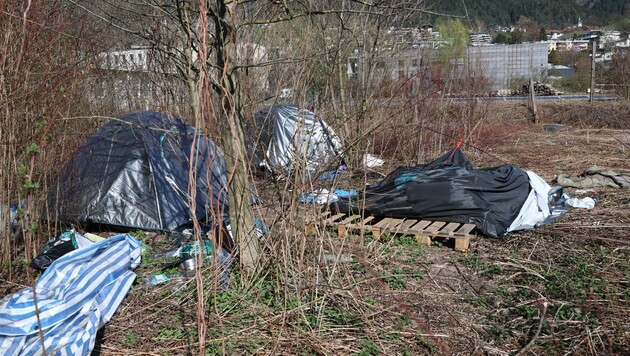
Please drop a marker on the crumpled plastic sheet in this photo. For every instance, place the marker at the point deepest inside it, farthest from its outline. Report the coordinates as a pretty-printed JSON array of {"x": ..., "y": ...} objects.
[
  {"x": 323, "y": 196},
  {"x": 76, "y": 296}
]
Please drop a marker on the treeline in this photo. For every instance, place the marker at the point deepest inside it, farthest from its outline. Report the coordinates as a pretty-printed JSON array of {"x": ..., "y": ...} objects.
[{"x": 551, "y": 14}]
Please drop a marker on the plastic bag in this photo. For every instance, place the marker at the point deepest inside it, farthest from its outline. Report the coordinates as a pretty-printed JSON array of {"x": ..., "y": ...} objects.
[{"x": 59, "y": 246}]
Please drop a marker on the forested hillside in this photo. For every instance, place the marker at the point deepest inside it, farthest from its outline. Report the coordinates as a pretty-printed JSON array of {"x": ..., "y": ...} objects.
[{"x": 551, "y": 14}]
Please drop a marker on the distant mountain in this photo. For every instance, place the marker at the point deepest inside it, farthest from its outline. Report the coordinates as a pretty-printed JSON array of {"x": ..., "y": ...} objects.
[{"x": 548, "y": 13}]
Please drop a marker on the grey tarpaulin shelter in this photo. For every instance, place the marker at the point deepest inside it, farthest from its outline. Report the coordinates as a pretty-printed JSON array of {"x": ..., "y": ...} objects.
[
  {"x": 290, "y": 138},
  {"x": 134, "y": 173}
]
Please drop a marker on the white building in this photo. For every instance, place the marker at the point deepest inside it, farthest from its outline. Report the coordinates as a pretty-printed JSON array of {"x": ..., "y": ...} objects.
[
  {"x": 135, "y": 59},
  {"x": 480, "y": 39},
  {"x": 137, "y": 80},
  {"x": 499, "y": 65}
]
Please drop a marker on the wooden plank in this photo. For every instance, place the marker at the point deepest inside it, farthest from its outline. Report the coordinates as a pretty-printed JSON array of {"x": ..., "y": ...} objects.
[
  {"x": 362, "y": 224},
  {"x": 423, "y": 239},
  {"x": 342, "y": 227},
  {"x": 450, "y": 228},
  {"x": 376, "y": 229},
  {"x": 331, "y": 220},
  {"x": 462, "y": 244},
  {"x": 465, "y": 230},
  {"x": 419, "y": 227},
  {"x": 385, "y": 224},
  {"x": 349, "y": 219},
  {"x": 313, "y": 221},
  {"x": 366, "y": 220},
  {"x": 404, "y": 227},
  {"x": 435, "y": 227},
  {"x": 393, "y": 225}
]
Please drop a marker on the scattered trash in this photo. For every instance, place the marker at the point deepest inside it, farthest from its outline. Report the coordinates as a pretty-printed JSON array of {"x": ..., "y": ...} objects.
[
  {"x": 584, "y": 191},
  {"x": 586, "y": 203},
  {"x": 59, "y": 246},
  {"x": 93, "y": 237},
  {"x": 320, "y": 196},
  {"x": 334, "y": 257},
  {"x": 186, "y": 258},
  {"x": 345, "y": 193},
  {"x": 371, "y": 161},
  {"x": 15, "y": 211},
  {"x": 555, "y": 127},
  {"x": 190, "y": 250},
  {"x": 330, "y": 175},
  {"x": 156, "y": 280},
  {"x": 596, "y": 177},
  {"x": 323, "y": 196},
  {"x": 261, "y": 229}
]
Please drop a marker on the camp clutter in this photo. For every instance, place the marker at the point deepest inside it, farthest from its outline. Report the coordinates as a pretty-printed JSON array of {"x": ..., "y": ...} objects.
[
  {"x": 134, "y": 174},
  {"x": 448, "y": 198}
]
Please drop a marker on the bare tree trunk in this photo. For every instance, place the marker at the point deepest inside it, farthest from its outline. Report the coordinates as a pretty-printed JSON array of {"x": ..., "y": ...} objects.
[
  {"x": 233, "y": 140},
  {"x": 241, "y": 211}
]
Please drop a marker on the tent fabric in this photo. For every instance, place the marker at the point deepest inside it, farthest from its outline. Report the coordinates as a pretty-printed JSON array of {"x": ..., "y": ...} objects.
[
  {"x": 290, "y": 138},
  {"x": 448, "y": 189},
  {"x": 596, "y": 177},
  {"x": 539, "y": 207},
  {"x": 134, "y": 173},
  {"x": 76, "y": 296}
]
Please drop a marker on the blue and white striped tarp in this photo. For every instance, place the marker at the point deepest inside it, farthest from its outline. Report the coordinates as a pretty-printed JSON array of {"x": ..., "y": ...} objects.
[{"x": 76, "y": 296}]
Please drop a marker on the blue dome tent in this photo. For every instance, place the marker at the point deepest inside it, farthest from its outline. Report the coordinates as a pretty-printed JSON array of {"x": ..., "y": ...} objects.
[{"x": 133, "y": 173}]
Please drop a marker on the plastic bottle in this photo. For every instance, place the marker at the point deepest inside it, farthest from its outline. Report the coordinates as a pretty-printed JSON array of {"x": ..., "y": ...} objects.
[{"x": 156, "y": 280}]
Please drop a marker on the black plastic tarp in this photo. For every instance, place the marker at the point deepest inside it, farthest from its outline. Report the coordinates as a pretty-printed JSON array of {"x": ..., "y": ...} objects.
[
  {"x": 134, "y": 173},
  {"x": 448, "y": 189}
]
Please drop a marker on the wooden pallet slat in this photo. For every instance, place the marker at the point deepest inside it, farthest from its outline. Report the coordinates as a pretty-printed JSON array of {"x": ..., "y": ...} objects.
[
  {"x": 450, "y": 228},
  {"x": 465, "y": 229},
  {"x": 365, "y": 221},
  {"x": 333, "y": 219},
  {"x": 435, "y": 227},
  {"x": 462, "y": 244},
  {"x": 342, "y": 227},
  {"x": 419, "y": 227},
  {"x": 390, "y": 225},
  {"x": 377, "y": 229},
  {"x": 404, "y": 227},
  {"x": 363, "y": 224},
  {"x": 383, "y": 222}
]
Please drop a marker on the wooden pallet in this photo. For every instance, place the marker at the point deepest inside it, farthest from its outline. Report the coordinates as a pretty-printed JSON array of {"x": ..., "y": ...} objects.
[{"x": 424, "y": 230}]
